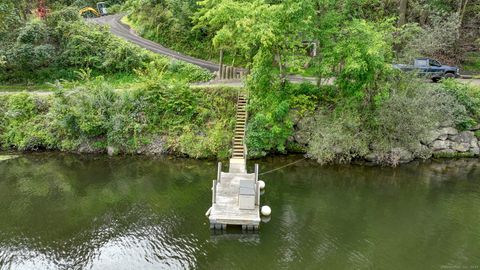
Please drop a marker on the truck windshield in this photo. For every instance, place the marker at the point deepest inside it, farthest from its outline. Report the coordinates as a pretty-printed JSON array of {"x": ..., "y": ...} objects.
[{"x": 435, "y": 63}]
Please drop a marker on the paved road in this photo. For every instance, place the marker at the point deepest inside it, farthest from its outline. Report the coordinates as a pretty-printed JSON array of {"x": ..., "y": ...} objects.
[{"x": 124, "y": 31}]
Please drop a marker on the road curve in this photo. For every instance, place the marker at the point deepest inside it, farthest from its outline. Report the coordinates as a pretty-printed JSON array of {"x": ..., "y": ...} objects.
[{"x": 125, "y": 32}]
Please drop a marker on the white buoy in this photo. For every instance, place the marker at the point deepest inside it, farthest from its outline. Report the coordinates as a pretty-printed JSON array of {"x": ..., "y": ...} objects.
[
  {"x": 266, "y": 210},
  {"x": 261, "y": 184}
]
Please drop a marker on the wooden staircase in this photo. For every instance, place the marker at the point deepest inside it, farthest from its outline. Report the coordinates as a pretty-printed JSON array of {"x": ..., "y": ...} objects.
[{"x": 239, "y": 149}]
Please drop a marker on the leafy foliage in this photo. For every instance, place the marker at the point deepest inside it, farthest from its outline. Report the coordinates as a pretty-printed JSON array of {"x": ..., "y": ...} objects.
[
  {"x": 468, "y": 96},
  {"x": 63, "y": 44},
  {"x": 170, "y": 23},
  {"x": 194, "y": 123},
  {"x": 359, "y": 59}
]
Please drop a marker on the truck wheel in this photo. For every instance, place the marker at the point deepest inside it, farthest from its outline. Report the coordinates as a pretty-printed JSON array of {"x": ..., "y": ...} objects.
[
  {"x": 435, "y": 79},
  {"x": 449, "y": 75}
]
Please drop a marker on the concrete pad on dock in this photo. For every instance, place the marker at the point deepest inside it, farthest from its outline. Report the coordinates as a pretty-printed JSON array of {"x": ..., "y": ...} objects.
[{"x": 225, "y": 209}]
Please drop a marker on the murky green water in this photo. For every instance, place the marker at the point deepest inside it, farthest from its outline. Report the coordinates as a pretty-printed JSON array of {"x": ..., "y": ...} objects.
[{"x": 70, "y": 212}]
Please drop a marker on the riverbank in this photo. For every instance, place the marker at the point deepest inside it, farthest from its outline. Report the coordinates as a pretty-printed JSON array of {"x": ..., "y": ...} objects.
[
  {"x": 162, "y": 118},
  {"x": 159, "y": 118}
]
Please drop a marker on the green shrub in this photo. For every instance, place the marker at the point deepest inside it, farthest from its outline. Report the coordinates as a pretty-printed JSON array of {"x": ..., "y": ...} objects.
[
  {"x": 23, "y": 123},
  {"x": 121, "y": 56},
  {"x": 64, "y": 15},
  {"x": 338, "y": 137},
  {"x": 34, "y": 32},
  {"x": 269, "y": 127},
  {"x": 189, "y": 72},
  {"x": 405, "y": 118},
  {"x": 468, "y": 96}
]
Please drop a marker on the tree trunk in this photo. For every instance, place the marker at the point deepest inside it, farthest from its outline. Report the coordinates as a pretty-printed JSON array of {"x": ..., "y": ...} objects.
[
  {"x": 402, "y": 18},
  {"x": 463, "y": 7}
]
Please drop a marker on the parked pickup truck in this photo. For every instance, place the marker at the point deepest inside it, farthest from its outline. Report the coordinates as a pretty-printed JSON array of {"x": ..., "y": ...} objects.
[{"x": 430, "y": 68}]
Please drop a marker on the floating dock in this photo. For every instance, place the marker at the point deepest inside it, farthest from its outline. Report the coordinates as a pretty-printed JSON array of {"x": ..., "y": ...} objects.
[{"x": 236, "y": 193}]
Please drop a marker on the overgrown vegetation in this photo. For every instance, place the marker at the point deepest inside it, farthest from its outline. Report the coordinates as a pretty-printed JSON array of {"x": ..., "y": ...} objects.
[
  {"x": 168, "y": 117},
  {"x": 64, "y": 45}
]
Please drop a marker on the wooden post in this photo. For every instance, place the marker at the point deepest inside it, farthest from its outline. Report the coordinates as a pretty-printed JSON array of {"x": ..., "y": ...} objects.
[
  {"x": 224, "y": 75},
  {"x": 257, "y": 193},
  {"x": 214, "y": 191},
  {"x": 221, "y": 65},
  {"x": 257, "y": 185},
  {"x": 219, "y": 171}
]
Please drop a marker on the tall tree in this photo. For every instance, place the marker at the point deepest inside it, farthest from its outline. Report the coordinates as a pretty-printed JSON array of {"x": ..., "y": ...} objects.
[{"x": 263, "y": 32}]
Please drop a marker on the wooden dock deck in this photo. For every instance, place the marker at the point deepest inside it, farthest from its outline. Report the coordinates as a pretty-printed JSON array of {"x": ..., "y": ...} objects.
[
  {"x": 236, "y": 193},
  {"x": 226, "y": 208}
]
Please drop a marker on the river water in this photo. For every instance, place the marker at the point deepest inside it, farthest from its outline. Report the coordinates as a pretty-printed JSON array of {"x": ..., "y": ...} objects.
[{"x": 88, "y": 212}]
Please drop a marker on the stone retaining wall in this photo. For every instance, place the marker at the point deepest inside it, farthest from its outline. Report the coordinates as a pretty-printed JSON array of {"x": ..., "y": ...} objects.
[{"x": 449, "y": 141}]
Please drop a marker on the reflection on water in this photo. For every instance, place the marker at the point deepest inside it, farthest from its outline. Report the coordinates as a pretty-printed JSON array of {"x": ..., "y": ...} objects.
[{"x": 73, "y": 212}]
